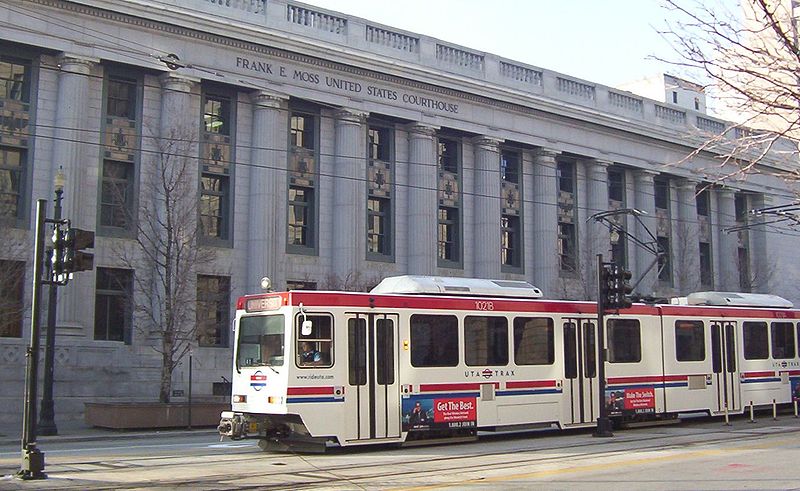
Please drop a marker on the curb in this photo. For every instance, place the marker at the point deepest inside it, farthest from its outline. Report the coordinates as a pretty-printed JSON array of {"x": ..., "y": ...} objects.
[{"x": 6, "y": 440}]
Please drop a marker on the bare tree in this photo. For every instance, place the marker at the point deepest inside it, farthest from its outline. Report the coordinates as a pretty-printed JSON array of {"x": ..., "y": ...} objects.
[
  {"x": 165, "y": 251},
  {"x": 751, "y": 59}
]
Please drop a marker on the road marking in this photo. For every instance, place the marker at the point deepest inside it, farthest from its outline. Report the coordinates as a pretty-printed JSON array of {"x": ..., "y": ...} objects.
[{"x": 604, "y": 465}]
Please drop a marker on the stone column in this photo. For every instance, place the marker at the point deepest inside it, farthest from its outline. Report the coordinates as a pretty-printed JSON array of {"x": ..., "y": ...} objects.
[
  {"x": 268, "y": 159},
  {"x": 644, "y": 192},
  {"x": 727, "y": 250},
  {"x": 597, "y": 233},
  {"x": 350, "y": 153},
  {"x": 687, "y": 240},
  {"x": 545, "y": 265},
  {"x": 486, "y": 239},
  {"x": 764, "y": 268},
  {"x": 422, "y": 201},
  {"x": 70, "y": 152}
]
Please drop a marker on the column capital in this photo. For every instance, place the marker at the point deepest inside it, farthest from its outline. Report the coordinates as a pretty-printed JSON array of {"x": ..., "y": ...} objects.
[
  {"x": 645, "y": 175},
  {"x": 263, "y": 99},
  {"x": 726, "y": 192},
  {"x": 686, "y": 183},
  {"x": 346, "y": 115},
  {"x": 543, "y": 152},
  {"x": 599, "y": 162},
  {"x": 80, "y": 65},
  {"x": 177, "y": 83},
  {"x": 488, "y": 143},
  {"x": 421, "y": 130}
]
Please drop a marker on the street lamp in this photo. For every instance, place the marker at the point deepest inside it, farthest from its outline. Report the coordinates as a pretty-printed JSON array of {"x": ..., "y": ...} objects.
[{"x": 47, "y": 424}]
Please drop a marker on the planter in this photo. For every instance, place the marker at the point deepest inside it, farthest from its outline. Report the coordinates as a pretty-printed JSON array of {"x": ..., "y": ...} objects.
[{"x": 138, "y": 415}]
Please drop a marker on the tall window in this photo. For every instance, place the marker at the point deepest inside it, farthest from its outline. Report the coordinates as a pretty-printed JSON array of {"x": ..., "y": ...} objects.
[
  {"x": 213, "y": 311},
  {"x": 113, "y": 305},
  {"x": 702, "y": 200},
  {"x": 706, "y": 273},
  {"x": 116, "y": 194},
  {"x": 448, "y": 234},
  {"x": 661, "y": 189},
  {"x": 214, "y": 197},
  {"x": 302, "y": 223},
  {"x": 217, "y": 114},
  {"x": 12, "y": 165},
  {"x": 12, "y": 280},
  {"x": 662, "y": 204},
  {"x": 120, "y": 154},
  {"x": 664, "y": 264},
  {"x": 378, "y": 226},
  {"x": 15, "y": 76},
  {"x": 121, "y": 98},
  {"x": 616, "y": 200},
  {"x": 380, "y": 192},
  {"x": 215, "y": 178},
  {"x": 449, "y": 223},
  {"x": 14, "y": 79},
  {"x": 567, "y": 238},
  {"x": 510, "y": 218},
  {"x": 301, "y": 216}
]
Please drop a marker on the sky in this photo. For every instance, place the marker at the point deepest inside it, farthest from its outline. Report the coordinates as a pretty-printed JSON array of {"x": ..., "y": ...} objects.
[{"x": 604, "y": 41}]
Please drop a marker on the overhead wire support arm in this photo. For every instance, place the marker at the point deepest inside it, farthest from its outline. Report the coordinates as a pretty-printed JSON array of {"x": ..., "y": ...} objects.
[
  {"x": 652, "y": 246},
  {"x": 781, "y": 213}
]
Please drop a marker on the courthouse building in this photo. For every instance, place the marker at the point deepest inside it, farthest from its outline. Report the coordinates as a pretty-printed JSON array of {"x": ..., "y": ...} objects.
[{"x": 329, "y": 151}]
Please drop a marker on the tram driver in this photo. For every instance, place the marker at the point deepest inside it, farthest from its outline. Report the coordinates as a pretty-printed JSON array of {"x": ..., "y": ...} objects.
[{"x": 309, "y": 354}]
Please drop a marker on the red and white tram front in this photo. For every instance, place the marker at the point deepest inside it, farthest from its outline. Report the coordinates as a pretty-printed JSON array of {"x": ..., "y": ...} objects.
[{"x": 263, "y": 360}]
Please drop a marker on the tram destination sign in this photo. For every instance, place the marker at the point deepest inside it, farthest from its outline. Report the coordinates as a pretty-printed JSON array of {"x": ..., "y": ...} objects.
[{"x": 283, "y": 73}]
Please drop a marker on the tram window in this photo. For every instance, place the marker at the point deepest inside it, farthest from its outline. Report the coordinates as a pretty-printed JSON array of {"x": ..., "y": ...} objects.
[
  {"x": 485, "y": 340},
  {"x": 533, "y": 341},
  {"x": 260, "y": 341},
  {"x": 357, "y": 351},
  {"x": 624, "y": 341},
  {"x": 434, "y": 340},
  {"x": 755, "y": 340},
  {"x": 315, "y": 349},
  {"x": 690, "y": 341},
  {"x": 384, "y": 351},
  {"x": 782, "y": 340}
]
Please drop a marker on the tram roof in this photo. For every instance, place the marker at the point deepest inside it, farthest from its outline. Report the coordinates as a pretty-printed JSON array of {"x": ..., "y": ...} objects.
[
  {"x": 440, "y": 285},
  {"x": 731, "y": 299}
]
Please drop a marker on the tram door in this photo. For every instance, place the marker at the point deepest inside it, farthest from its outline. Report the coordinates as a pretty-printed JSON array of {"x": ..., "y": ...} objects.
[
  {"x": 724, "y": 366},
  {"x": 372, "y": 394},
  {"x": 580, "y": 371}
]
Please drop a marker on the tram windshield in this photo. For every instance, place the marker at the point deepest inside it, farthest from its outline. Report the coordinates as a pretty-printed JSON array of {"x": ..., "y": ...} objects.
[{"x": 261, "y": 341}]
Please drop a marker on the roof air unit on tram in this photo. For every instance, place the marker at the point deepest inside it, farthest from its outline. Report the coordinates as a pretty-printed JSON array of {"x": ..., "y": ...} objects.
[
  {"x": 729, "y": 299},
  {"x": 439, "y": 285}
]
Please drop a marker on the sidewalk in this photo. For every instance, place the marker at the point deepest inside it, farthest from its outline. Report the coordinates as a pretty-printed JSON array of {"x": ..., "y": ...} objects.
[{"x": 78, "y": 431}]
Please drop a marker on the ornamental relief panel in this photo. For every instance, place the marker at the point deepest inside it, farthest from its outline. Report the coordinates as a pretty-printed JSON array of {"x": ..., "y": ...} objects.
[
  {"x": 120, "y": 139},
  {"x": 302, "y": 167},
  {"x": 216, "y": 153},
  {"x": 449, "y": 194},
  {"x": 511, "y": 198},
  {"x": 379, "y": 175}
]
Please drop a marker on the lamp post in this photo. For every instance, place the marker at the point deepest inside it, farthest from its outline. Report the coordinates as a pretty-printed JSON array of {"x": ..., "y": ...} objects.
[{"x": 47, "y": 424}]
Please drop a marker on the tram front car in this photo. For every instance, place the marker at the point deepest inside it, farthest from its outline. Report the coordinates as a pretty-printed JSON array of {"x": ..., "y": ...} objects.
[{"x": 262, "y": 365}]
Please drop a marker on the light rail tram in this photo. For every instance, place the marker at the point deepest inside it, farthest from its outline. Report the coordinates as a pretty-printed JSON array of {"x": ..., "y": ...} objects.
[{"x": 431, "y": 357}]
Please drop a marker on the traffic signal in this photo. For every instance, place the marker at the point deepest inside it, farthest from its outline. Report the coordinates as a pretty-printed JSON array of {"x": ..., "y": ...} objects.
[
  {"x": 606, "y": 283},
  {"x": 619, "y": 288},
  {"x": 74, "y": 258},
  {"x": 57, "y": 253}
]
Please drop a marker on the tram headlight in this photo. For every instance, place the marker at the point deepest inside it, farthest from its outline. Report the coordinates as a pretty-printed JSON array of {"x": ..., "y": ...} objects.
[{"x": 239, "y": 399}]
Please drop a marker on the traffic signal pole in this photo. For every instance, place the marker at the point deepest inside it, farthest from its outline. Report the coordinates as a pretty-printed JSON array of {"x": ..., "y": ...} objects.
[
  {"x": 32, "y": 466},
  {"x": 603, "y": 422}
]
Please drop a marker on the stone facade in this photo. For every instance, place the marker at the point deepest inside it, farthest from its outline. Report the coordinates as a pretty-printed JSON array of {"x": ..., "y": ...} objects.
[{"x": 351, "y": 151}]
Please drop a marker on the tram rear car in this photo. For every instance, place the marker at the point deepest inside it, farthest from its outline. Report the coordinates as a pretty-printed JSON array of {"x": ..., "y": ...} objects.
[{"x": 425, "y": 357}]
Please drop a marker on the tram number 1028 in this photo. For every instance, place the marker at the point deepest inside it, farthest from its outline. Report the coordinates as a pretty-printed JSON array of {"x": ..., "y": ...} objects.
[{"x": 484, "y": 305}]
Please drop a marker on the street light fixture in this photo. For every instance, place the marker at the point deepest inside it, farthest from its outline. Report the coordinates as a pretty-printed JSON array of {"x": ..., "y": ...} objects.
[{"x": 47, "y": 424}]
